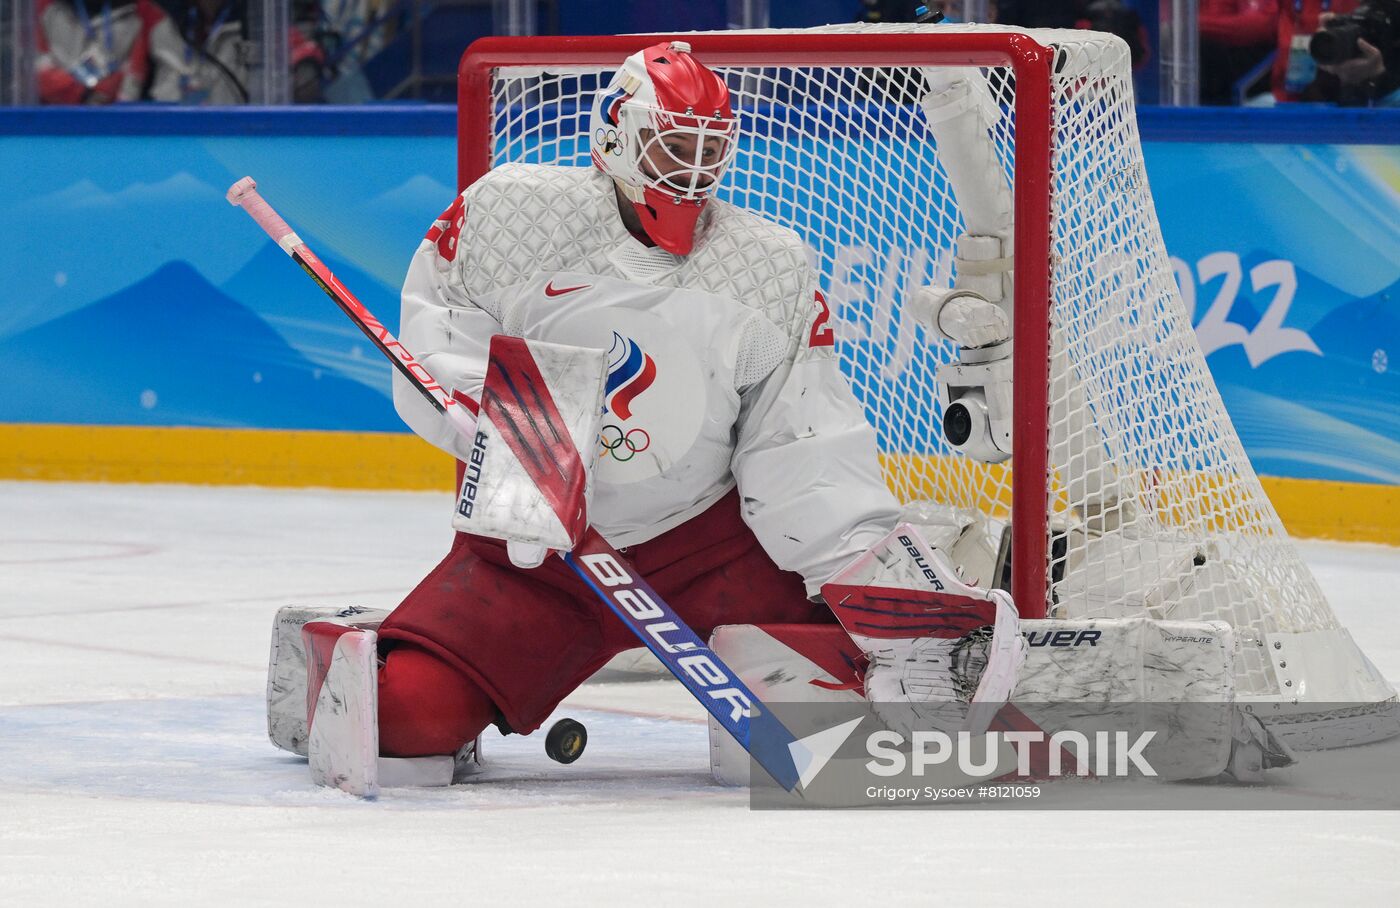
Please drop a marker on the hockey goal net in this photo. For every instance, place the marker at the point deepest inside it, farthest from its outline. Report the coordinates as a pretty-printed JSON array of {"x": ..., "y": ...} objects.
[{"x": 1128, "y": 490}]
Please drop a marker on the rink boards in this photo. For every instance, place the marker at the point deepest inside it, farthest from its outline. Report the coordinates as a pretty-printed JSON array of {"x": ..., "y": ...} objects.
[{"x": 136, "y": 298}]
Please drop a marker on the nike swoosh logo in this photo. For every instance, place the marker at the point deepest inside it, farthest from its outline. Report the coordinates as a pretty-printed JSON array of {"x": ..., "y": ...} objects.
[{"x": 551, "y": 290}]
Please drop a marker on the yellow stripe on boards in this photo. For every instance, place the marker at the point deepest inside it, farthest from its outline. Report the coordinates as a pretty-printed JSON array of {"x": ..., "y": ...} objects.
[
  {"x": 341, "y": 460},
  {"x": 1352, "y": 511},
  {"x": 1359, "y": 512}
]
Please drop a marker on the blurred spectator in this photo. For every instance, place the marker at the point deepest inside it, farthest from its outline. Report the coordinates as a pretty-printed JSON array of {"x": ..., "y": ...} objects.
[
  {"x": 210, "y": 62},
  {"x": 1236, "y": 37},
  {"x": 97, "y": 51},
  {"x": 360, "y": 28},
  {"x": 897, "y": 10},
  {"x": 350, "y": 33},
  {"x": 1359, "y": 63},
  {"x": 1295, "y": 70},
  {"x": 1110, "y": 16}
]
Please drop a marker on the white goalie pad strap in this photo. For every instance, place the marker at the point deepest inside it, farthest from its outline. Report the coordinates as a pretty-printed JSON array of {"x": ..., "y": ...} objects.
[
  {"x": 1005, "y": 656},
  {"x": 1256, "y": 748},
  {"x": 522, "y": 469},
  {"x": 286, "y": 668}
]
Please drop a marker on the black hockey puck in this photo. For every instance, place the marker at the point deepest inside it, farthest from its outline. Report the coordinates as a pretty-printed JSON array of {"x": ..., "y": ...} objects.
[{"x": 566, "y": 740}]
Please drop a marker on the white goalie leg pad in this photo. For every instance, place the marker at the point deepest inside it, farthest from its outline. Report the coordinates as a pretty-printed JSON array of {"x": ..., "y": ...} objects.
[
  {"x": 286, "y": 668},
  {"x": 1174, "y": 678},
  {"x": 498, "y": 497},
  {"x": 1137, "y": 660},
  {"x": 343, "y": 734}
]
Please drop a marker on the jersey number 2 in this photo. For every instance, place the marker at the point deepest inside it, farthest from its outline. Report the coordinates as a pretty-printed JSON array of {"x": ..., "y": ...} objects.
[{"x": 822, "y": 335}]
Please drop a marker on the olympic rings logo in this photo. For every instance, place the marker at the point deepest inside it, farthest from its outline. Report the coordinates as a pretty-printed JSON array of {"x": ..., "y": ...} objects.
[
  {"x": 629, "y": 444},
  {"x": 611, "y": 140}
]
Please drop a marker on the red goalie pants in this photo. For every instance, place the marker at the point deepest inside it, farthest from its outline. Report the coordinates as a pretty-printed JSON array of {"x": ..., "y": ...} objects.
[{"x": 480, "y": 638}]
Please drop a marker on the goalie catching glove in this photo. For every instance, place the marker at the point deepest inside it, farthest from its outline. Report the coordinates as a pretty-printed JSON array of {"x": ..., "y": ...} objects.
[{"x": 942, "y": 655}]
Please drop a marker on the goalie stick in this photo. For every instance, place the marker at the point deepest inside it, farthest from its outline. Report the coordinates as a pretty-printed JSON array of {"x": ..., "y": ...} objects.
[{"x": 597, "y": 563}]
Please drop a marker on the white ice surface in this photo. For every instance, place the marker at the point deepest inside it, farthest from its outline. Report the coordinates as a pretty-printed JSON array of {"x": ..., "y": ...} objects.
[{"x": 134, "y": 765}]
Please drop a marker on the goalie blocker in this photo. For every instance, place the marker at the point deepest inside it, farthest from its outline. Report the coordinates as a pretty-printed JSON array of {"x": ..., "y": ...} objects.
[{"x": 499, "y": 497}]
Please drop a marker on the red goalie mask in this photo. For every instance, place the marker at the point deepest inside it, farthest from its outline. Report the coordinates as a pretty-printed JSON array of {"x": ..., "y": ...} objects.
[{"x": 663, "y": 129}]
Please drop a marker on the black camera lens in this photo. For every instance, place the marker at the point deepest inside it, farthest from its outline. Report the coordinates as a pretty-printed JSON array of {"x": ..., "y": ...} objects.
[
  {"x": 957, "y": 424},
  {"x": 1336, "y": 43}
]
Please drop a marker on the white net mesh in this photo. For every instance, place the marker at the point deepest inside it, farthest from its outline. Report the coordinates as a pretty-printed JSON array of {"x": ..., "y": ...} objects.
[{"x": 1154, "y": 503}]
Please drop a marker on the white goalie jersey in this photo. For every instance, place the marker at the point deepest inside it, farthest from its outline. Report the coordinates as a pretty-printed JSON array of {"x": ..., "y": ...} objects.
[{"x": 722, "y": 368}]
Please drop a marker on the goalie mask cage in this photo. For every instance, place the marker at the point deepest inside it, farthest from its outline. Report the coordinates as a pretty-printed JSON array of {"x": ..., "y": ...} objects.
[{"x": 1128, "y": 490}]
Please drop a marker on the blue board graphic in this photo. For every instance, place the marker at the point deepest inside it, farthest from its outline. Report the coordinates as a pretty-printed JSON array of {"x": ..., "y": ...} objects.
[{"x": 136, "y": 295}]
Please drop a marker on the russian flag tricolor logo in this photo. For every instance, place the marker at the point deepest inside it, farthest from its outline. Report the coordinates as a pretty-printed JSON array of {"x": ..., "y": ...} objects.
[
  {"x": 630, "y": 372},
  {"x": 610, "y": 106}
]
